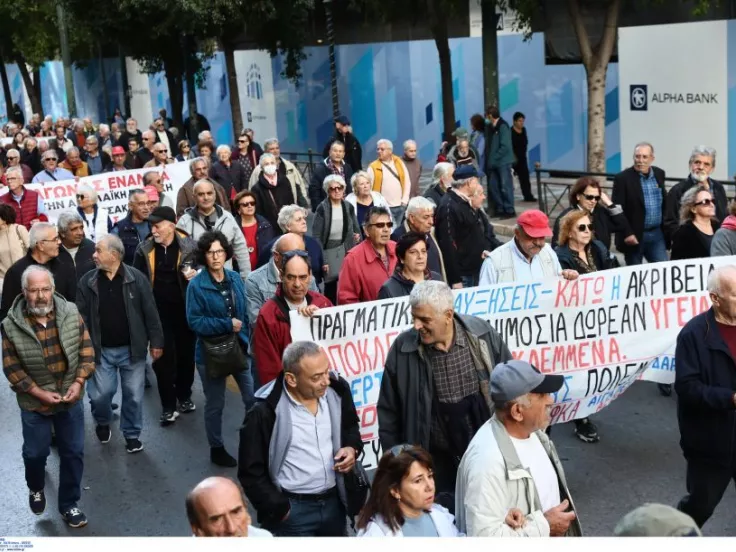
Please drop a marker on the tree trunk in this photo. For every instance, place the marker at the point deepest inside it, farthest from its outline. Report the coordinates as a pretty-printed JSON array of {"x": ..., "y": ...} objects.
[
  {"x": 6, "y": 87},
  {"x": 176, "y": 94},
  {"x": 105, "y": 88},
  {"x": 595, "y": 61},
  {"x": 232, "y": 83},
  {"x": 39, "y": 93},
  {"x": 438, "y": 24},
  {"x": 28, "y": 83}
]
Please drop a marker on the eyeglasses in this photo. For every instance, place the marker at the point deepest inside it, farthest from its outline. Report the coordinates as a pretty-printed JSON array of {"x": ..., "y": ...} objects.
[
  {"x": 52, "y": 240},
  {"x": 398, "y": 449},
  {"x": 592, "y": 197},
  {"x": 382, "y": 224},
  {"x": 247, "y": 204},
  {"x": 705, "y": 202},
  {"x": 584, "y": 227},
  {"x": 50, "y": 159},
  {"x": 242, "y": 141},
  {"x": 216, "y": 253},
  {"x": 336, "y": 188},
  {"x": 44, "y": 290},
  {"x": 12, "y": 158},
  {"x": 162, "y": 151}
]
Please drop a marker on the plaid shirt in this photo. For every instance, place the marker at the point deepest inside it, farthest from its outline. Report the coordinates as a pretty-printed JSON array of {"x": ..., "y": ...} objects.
[
  {"x": 652, "y": 201},
  {"x": 56, "y": 362}
]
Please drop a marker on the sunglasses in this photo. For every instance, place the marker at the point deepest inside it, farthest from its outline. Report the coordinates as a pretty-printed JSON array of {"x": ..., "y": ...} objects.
[
  {"x": 242, "y": 141},
  {"x": 247, "y": 204},
  {"x": 705, "y": 202},
  {"x": 50, "y": 159},
  {"x": 592, "y": 197},
  {"x": 382, "y": 224},
  {"x": 81, "y": 197},
  {"x": 336, "y": 188},
  {"x": 584, "y": 227},
  {"x": 162, "y": 151},
  {"x": 287, "y": 255}
]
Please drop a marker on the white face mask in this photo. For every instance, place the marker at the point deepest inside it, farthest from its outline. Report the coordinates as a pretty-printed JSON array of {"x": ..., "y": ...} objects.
[{"x": 270, "y": 170}]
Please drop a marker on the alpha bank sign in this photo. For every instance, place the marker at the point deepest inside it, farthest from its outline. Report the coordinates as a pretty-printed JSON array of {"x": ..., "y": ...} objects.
[{"x": 640, "y": 98}]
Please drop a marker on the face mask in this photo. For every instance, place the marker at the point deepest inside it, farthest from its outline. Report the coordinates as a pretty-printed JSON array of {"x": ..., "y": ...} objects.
[
  {"x": 488, "y": 121},
  {"x": 270, "y": 170}
]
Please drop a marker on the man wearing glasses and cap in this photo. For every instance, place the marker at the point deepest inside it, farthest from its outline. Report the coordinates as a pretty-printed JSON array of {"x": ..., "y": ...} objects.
[
  {"x": 511, "y": 463},
  {"x": 51, "y": 171}
]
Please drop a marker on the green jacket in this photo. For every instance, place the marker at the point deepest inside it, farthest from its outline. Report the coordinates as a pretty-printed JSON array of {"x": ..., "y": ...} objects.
[
  {"x": 498, "y": 142},
  {"x": 30, "y": 351}
]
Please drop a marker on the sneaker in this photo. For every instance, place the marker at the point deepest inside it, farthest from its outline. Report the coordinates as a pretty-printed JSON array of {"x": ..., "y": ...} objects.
[
  {"x": 168, "y": 417},
  {"x": 187, "y": 406},
  {"x": 74, "y": 518},
  {"x": 37, "y": 502},
  {"x": 103, "y": 433},
  {"x": 133, "y": 445},
  {"x": 586, "y": 431},
  {"x": 665, "y": 389},
  {"x": 220, "y": 457}
]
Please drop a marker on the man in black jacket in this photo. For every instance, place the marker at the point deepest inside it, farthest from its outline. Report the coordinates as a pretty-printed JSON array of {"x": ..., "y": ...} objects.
[
  {"x": 705, "y": 381},
  {"x": 702, "y": 164},
  {"x": 441, "y": 414},
  {"x": 75, "y": 248},
  {"x": 334, "y": 163},
  {"x": 297, "y": 443},
  {"x": 134, "y": 228},
  {"x": 344, "y": 134},
  {"x": 640, "y": 192},
  {"x": 442, "y": 176}
]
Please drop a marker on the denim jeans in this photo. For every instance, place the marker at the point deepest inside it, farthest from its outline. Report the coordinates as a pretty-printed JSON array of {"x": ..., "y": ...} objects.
[
  {"x": 501, "y": 188},
  {"x": 470, "y": 281},
  {"x": 116, "y": 360},
  {"x": 69, "y": 427},
  {"x": 397, "y": 213},
  {"x": 214, "y": 394},
  {"x": 650, "y": 247},
  {"x": 313, "y": 518}
]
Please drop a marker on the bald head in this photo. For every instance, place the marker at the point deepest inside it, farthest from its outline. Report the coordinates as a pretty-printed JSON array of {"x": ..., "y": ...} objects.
[
  {"x": 289, "y": 242},
  {"x": 216, "y": 508}
]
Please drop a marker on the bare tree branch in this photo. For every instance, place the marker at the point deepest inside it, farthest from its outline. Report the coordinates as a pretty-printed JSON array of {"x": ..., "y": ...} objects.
[
  {"x": 586, "y": 53},
  {"x": 608, "y": 38}
]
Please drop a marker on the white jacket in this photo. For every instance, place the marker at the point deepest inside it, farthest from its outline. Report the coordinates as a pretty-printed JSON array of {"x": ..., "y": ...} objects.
[
  {"x": 378, "y": 201},
  {"x": 443, "y": 520},
  {"x": 100, "y": 225}
]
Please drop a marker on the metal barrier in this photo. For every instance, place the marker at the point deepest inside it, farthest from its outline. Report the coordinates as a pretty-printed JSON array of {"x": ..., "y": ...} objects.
[{"x": 304, "y": 162}]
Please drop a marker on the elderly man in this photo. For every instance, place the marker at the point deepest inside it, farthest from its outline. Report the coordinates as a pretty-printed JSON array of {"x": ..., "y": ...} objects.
[
  {"x": 273, "y": 325},
  {"x": 43, "y": 249},
  {"x": 156, "y": 180},
  {"x": 284, "y": 167},
  {"x": 640, "y": 191},
  {"x": 119, "y": 161},
  {"x": 131, "y": 132},
  {"x": 161, "y": 156},
  {"x": 118, "y": 308},
  {"x": 185, "y": 199},
  {"x": 512, "y": 464},
  {"x": 369, "y": 264},
  {"x": 216, "y": 507},
  {"x": 705, "y": 381},
  {"x": 390, "y": 177},
  {"x": 434, "y": 392},
  {"x": 413, "y": 165},
  {"x": 134, "y": 228},
  {"x": 167, "y": 259},
  {"x": 97, "y": 161},
  {"x": 420, "y": 218},
  {"x": 28, "y": 204},
  {"x": 76, "y": 250},
  {"x": 145, "y": 153},
  {"x": 442, "y": 176},
  {"x": 463, "y": 154},
  {"x": 499, "y": 159},
  {"x": 49, "y": 387},
  {"x": 163, "y": 136},
  {"x": 344, "y": 134},
  {"x": 334, "y": 164},
  {"x": 51, "y": 171},
  {"x": 297, "y": 443},
  {"x": 13, "y": 157},
  {"x": 104, "y": 139},
  {"x": 60, "y": 143},
  {"x": 77, "y": 134},
  {"x": 206, "y": 216},
  {"x": 229, "y": 175},
  {"x": 702, "y": 164},
  {"x": 74, "y": 164}
]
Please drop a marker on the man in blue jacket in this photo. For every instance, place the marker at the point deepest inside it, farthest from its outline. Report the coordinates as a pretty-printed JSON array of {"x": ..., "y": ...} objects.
[
  {"x": 705, "y": 381},
  {"x": 499, "y": 160}
]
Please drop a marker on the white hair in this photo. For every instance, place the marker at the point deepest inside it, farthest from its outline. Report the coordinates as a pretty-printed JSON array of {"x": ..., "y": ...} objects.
[
  {"x": 266, "y": 157},
  {"x": 14, "y": 170},
  {"x": 270, "y": 142},
  {"x": 86, "y": 189},
  {"x": 385, "y": 142},
  {"x": 441, "y": 169},
  {"x": 703, "y": 150},
  {"x": 644, "y": 145},
  {"x": 102, "y": 127},
  {"x": 715, "y": 278},
  {"x": 223, "y": 147},
  {"x": 432, "y": 293},
  {"x": 287, "y": 213},
  {"x": 28, "y": 272},
  {"x": 333, "y": 178},
  {"x": 408, "y": 143},
  {"x": 12, "y": 150},
  {"x": 202, "y": 182},
  {"x": 204, "y": 135},
  {"x": 114, "y": 243},
  {"x": 37, "y": 230},
  {"x": 357, "y": 175},
  {"x": 196, "y": 161},
  {"x": 419, "y": 203}
]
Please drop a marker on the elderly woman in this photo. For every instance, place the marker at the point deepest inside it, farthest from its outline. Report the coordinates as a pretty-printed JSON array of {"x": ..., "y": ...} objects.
[
  {"x": 245, "y": 155},
  {"x": 441, "y": 182},
  {"x": 228, "y": 174},
  {"x": 692, "y": 240},
  {"x": 402, "y": 498},
  {"x": 363, "y": 198},
  {"x": 578, "y": 250},
  {"x": 272, "y": 190},
  {"x": 257, "y": 231},
  {"x": 411, "y": 250},
  {"x": 216, "y": 307},
  {"x": 97, "y": 222},
  {"x": 724, "y": 240},
  {"x": 337, "y": 229},
  {"x": 185, "y": 151},
  {"x": 13, "y": 240},
  {"x": 206, "y": 149},
  {"x": 607, "y": 218}
]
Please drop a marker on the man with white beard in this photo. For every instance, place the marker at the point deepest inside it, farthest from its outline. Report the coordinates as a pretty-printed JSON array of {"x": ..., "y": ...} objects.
[{"x": 702, "y": 164}]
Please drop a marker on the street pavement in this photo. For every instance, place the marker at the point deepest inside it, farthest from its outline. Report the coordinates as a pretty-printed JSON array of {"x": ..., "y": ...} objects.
[{"x": 637, "y": 460}]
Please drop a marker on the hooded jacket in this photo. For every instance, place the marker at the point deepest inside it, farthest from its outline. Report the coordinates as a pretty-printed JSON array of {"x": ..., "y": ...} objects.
[{"x": 724, "y": 240}]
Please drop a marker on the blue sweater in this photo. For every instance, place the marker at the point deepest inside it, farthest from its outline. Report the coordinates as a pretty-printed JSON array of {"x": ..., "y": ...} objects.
[{"x": 207, "y": 311}]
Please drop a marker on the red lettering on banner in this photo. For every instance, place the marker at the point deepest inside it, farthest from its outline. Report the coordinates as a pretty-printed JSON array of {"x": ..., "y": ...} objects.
[
  {"x": 580, "y": 355},
  {"x": 564, "y": 412},
  {"x": 677, "y": 310},
  {"x": 576, "y": 293},
  {"x": 57, "y": 192},
  {"x": 359, "y": 356},
  {"x": 368, "y": 416}
]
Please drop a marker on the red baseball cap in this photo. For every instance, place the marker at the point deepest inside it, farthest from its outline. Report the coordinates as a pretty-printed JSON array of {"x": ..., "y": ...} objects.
[
  {"x": 535, "y": 223},
  {"x": 118, "y": 150}
]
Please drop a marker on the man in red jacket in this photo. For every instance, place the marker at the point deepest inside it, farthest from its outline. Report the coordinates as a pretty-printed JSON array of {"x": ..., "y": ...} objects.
[{"x": 273, "y": 326}]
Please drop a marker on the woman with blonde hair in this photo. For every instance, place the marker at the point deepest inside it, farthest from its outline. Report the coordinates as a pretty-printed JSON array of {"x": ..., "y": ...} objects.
[{"x": 698, "y": 225}]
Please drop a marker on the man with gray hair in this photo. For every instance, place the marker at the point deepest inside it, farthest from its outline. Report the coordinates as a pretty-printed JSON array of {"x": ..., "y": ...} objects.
[
  {"x": 441, "y": 182},
  {"x": 391, "y": 179},
  {"x": 43, "y": 249},
  {"x": 199, "y": 169},
  {"x": 413, "y": 165},
  {"x": 452, "y": 355},
  {"x": 76, "y": 250},
  {"x": 28, "y": 204},
  {"x": 74, "y": 164},
  {"x": 420, "y": 218},
  {"x": 145, "y": 153},
  {"x": 702, "y": 164},
  {"x": 118, "y": 307},
  {"x": 298, "y": 441},
  {"x": 97, "y": 160},
  {"x": 51, "y": 171},
  {"x": 49, "y": 387},
  {"x": 284, "y": 167},
  {"x": 160, "y": 158},
  {"x": 705, "y": 381},
  {"x": 512, "y": 465},
  {"x": 13, "y": 157}
]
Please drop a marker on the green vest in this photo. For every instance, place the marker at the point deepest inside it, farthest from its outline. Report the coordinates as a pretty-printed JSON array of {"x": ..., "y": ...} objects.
[{"x": 30, "y": 351}]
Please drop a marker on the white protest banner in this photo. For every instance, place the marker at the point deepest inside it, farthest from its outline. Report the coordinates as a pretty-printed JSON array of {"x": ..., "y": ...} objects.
[
  {"x": 112, "y": 189},
  {"x": 602, "y": 332}
]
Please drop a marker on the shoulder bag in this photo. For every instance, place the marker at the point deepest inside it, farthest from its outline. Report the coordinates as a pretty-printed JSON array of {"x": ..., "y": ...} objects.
[{"x": 223, "y": 354}]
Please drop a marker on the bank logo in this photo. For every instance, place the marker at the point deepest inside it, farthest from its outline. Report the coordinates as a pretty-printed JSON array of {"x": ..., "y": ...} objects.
[
  {"x": 638, "y": 97},
  {"x": 253, "y": 82}
]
